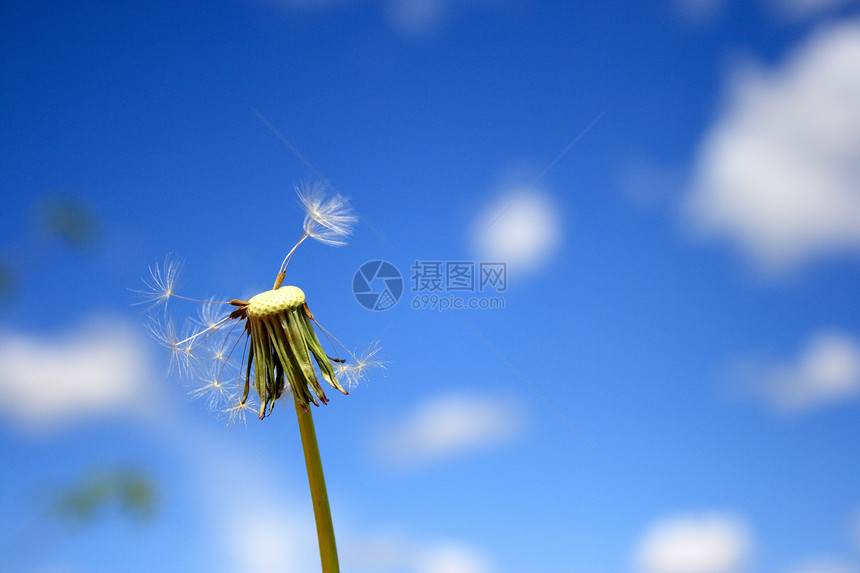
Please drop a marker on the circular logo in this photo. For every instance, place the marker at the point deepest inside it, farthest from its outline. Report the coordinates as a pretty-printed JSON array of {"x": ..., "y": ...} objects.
[{"x": 377, "y": 285}]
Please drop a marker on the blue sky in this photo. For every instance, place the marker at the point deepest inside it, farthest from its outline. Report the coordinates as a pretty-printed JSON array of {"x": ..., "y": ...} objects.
[{"x": 670, "y": 387}]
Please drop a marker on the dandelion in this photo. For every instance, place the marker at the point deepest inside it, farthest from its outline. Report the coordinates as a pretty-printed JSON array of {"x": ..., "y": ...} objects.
[
  {"x": 353, "y": 374},
  {"x": 282, "y": 349},
  {"x": 165, "y": 332},
  {"x": 161, "y": 282},
  {"x": 282, "y": 341},
  {"x": 213, "y": 387},
  {"x": 268, "y": 342},
  {"x": 328, "y": 219},
  {"x": 237, "y": 413},
  {"x": 210, "y": 313}
]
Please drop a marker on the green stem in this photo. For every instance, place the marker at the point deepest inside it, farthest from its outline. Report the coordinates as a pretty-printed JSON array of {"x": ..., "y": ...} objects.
[{"x": 322, "y": 512}]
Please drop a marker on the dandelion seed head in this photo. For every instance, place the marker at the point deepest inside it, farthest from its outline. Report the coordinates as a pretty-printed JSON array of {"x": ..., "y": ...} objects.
[
  {"x": 344, "y": 373},
  {"x": 368, "y": 357},
  {"x": 238, "y": 412},
  {"x": 354, "y": 374},
  {"x": 211, "y": 313},
  {"x": 163, "y": 329},
  {"x": 218, "y": 351},
  {"x": 160, "y": 285},
  {"x": 282, "y": 355},
  {"x": 328, "y": 217},
  {"x": 213, "y": 388},
  {"x": 273, "y": 302}
]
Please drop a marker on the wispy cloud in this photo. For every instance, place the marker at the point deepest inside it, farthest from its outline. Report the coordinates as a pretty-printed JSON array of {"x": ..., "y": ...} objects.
[
  {"x": 705, "y": 11},
  {"x": 416, "y": 17},
  {"x": 778, "y": 174},
  {"x": 447, "y": 426},
  {"x": 261, "y": 522},
  {"x": 257, "y": 522},
  {"x": 854, "y": 529},
  {"x": 648, "y": 184},
  {"x": 699, "y": 11},
  {"x": 387, "y": 552},
  {"x": 256, "y": 515},
  {"x": 47, "y": 381},
  {"x": 520, "y": 228},
  {"x": 409, "y": 18},
  {"x": 267, "y": 537},
  {"x": 701, "y": 543},
  {"x": 99, "y": 369},
  {"x": 825, "y": 371},
  {"x": 826, "y": 565},
  {"x": 797, "y": 9},
  {"x": 452, "y": 558}
]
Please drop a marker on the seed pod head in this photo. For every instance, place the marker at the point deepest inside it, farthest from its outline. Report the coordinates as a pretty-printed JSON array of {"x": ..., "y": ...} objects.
[
  {"x": 282, "y": 341},
  {"x": 273, "y": 302},
  {"x": 278, "y": 326}
]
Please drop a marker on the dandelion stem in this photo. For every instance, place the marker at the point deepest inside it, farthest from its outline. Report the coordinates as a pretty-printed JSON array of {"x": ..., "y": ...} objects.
[
  {"x": 322, "y": 512},
  {"x": 282, "y": 271}
]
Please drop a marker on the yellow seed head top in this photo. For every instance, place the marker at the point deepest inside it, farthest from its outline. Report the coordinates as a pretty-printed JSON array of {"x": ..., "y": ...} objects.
[{"x": 276, "y": 301}]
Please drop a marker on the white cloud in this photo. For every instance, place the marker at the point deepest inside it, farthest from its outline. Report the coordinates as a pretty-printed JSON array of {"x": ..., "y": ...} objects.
[
  {"x": 420, "y": 17},
  {"x": 452, "y": 558},
  {"x": 96, "y": 369},
  {"x": 808, "y": 8},
  {"x": 647, "y": 184},
  {"x": 264, "y": 527},
  {"x": 704, "y": 11},
  {"x": 261, "y": 521},
  {"x": 377, "y": 551},
  {"x": 411, "y": 18},
  {"x": 266, "y": 537},
  {"x": 312, "y": 4},
  {"x": 826, "y": 371},
  {"x": 779, "y": 172},
  {"x": 855, "y": 529},
  {"x": 416, "y": 17},
  {"x": 258, "y": 517},
  {"x": 707, "y": 543},
  {"x": 825, "y": 566},
  {"x": 449, "y": 425},
  {"x": 522, "y": 228},
  {"x": 699, "y": 11},
  {"x": 390, "y": 552}
]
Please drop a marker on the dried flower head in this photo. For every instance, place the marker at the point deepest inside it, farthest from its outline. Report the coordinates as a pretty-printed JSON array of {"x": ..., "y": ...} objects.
[
  {"x": 282, "y": 353},
  {"x": 282, "y": 341}
]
